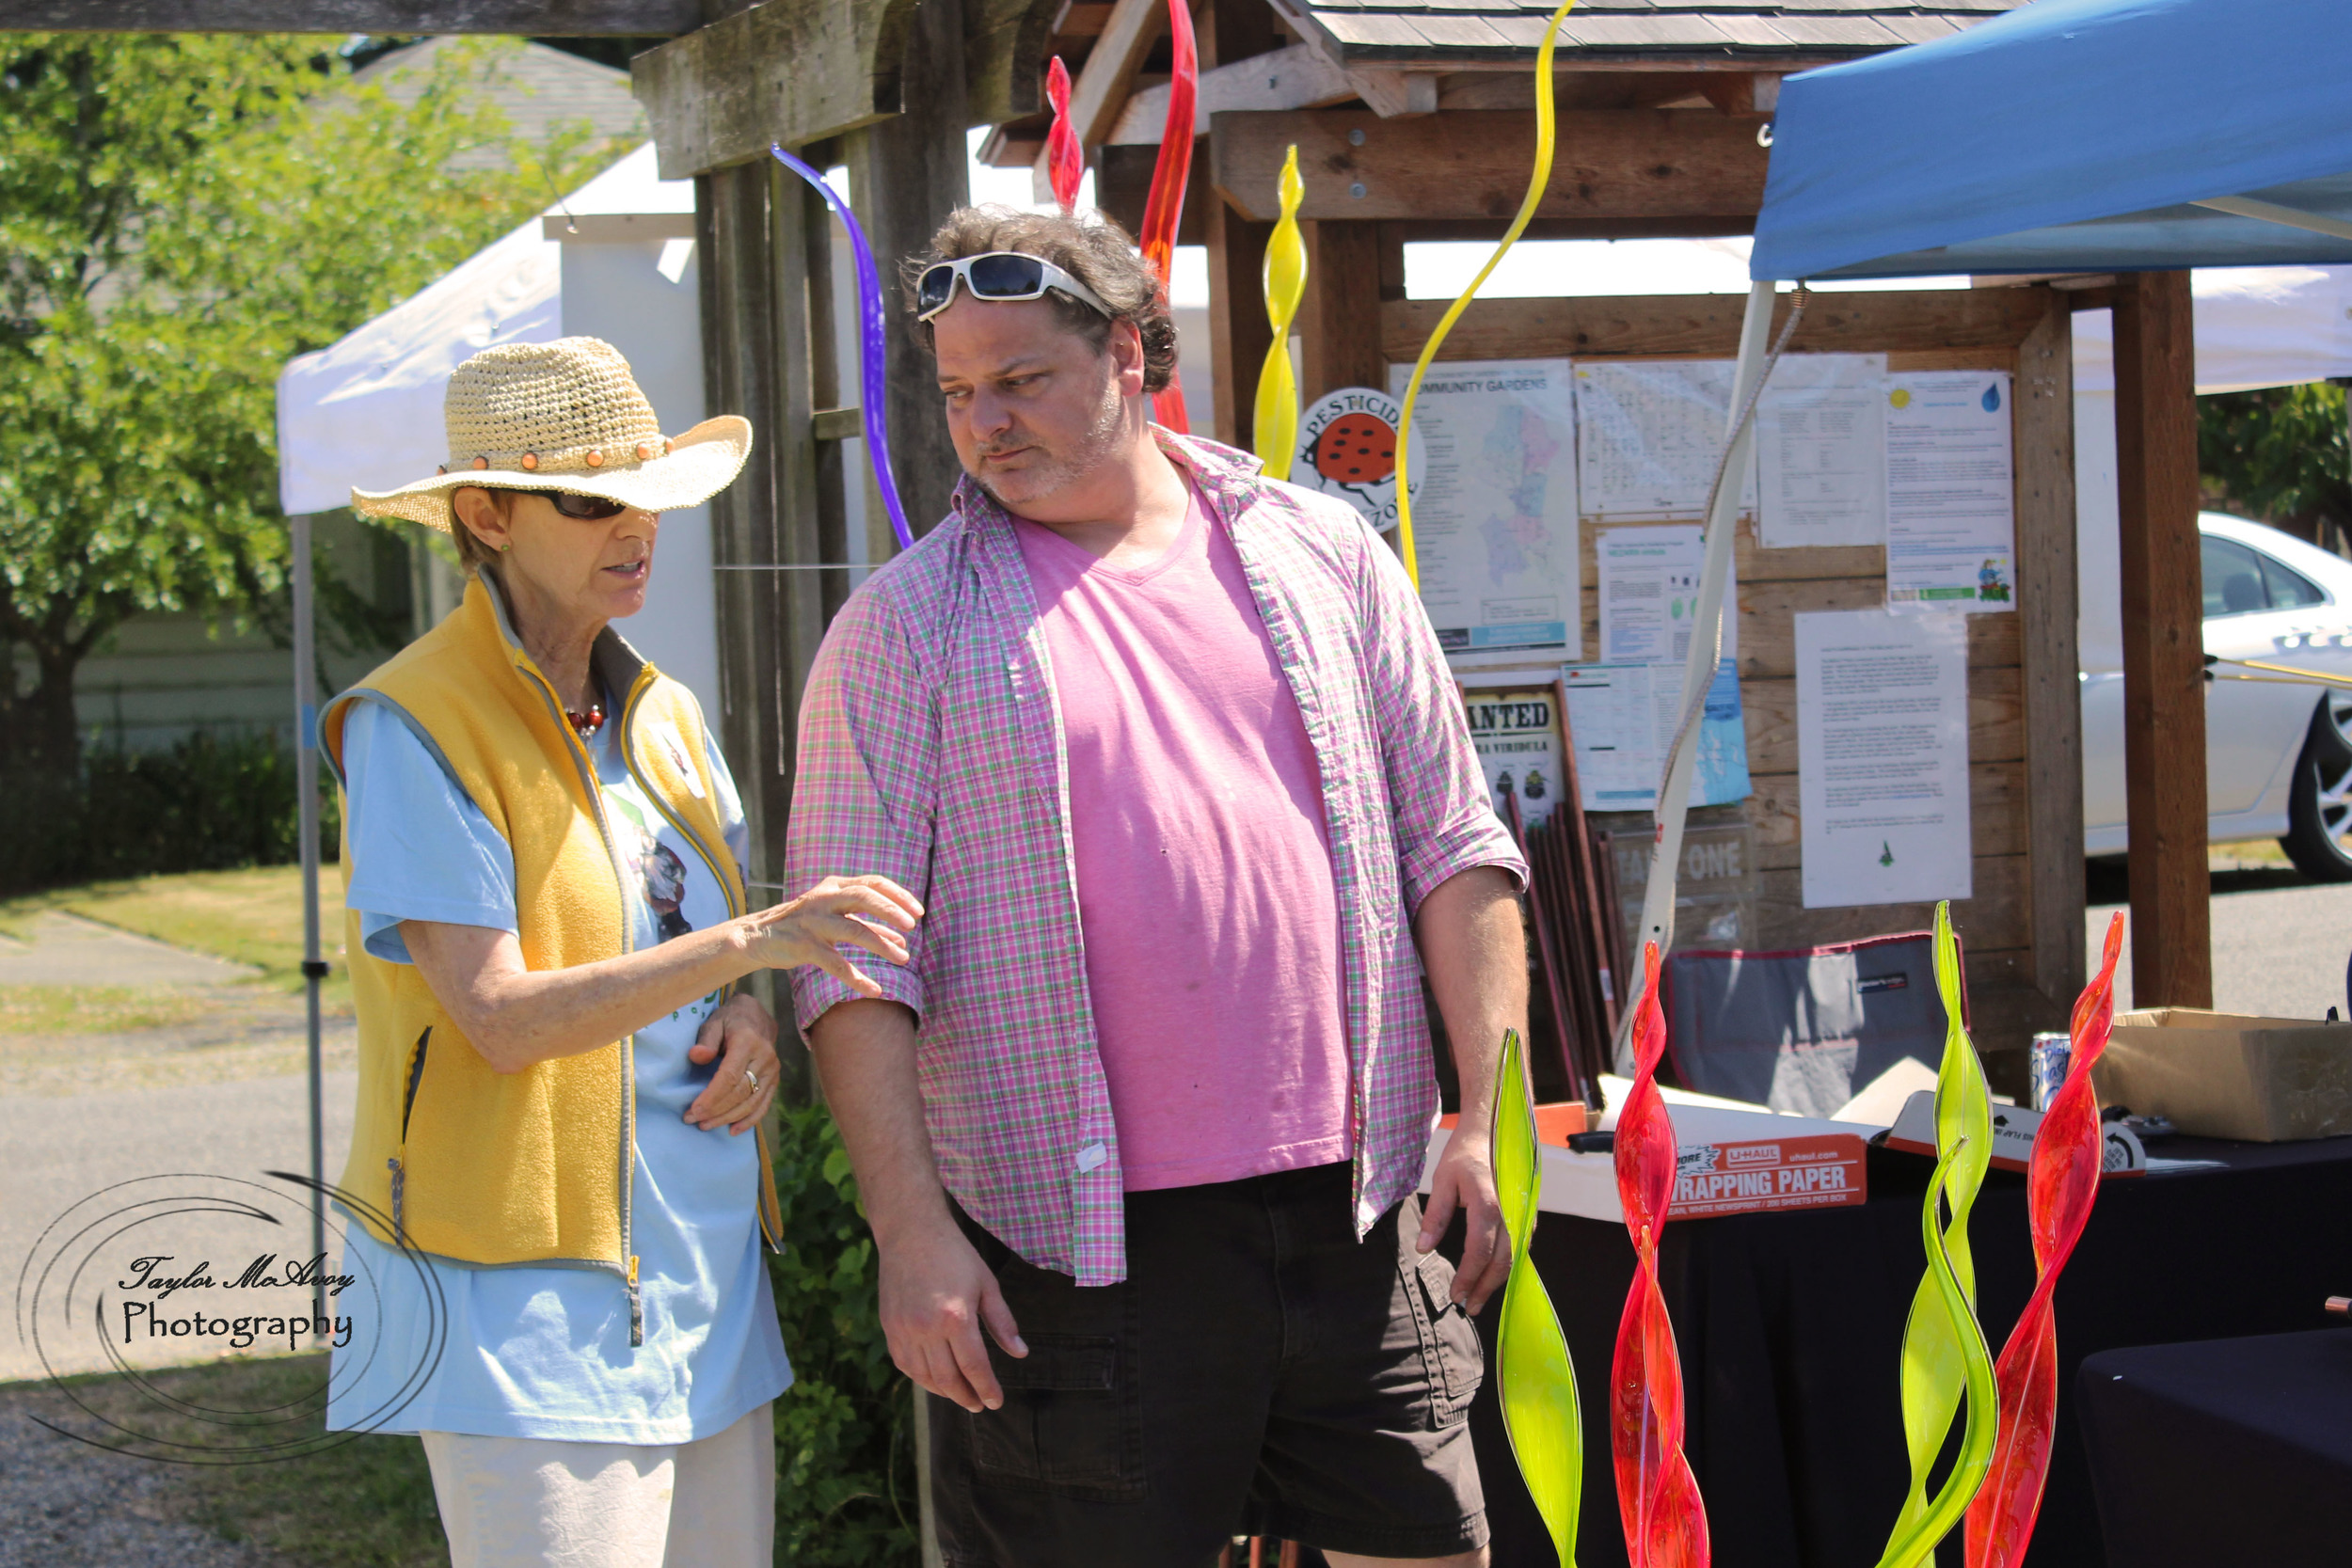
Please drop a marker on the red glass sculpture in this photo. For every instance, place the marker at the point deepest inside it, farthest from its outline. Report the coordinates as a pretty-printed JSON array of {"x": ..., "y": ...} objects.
[
  {"x": 1166, "y": 203},
  {"x": 2060, "y": 1186},
  {"x": 1065, "y": 161},
  {"x": 1658, "y": 1498}
]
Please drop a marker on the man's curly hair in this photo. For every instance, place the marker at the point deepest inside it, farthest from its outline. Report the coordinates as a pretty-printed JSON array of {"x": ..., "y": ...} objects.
[{"x": 1093, "y": 249}]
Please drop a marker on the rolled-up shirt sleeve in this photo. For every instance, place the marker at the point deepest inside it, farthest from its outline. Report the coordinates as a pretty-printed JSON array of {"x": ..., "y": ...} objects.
[
  {"x": 1445, "y": 820},
  {"x": 865, "y": 790}
]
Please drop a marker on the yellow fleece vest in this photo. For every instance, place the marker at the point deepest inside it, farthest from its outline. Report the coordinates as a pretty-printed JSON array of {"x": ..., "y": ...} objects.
[{"x": 530, "y": 1167}]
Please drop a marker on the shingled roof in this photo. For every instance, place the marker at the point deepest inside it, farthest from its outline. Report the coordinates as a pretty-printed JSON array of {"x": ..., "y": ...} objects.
[{"x": 1598, "y": 33}]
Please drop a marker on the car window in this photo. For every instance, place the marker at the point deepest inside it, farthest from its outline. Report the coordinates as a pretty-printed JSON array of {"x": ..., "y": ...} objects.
[
  {"x": 2288, "y": 589},
  {"x": 2234, "y": 579}
]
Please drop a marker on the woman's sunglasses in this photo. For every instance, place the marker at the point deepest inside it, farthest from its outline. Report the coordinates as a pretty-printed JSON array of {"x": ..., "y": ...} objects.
[
  {"x": 999, "y": 275},
  {"x": 588, "y": 509}
]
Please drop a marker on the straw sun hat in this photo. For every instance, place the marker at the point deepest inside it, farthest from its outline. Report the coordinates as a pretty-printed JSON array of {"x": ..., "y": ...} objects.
[{"x": 564, "y": 416}]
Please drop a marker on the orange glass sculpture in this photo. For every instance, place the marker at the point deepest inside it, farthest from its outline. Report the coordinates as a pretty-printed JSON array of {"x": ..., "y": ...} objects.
[
  {"x": 1166, "y": 203},
  {"x": 2060, "y": 1186},
  {"x": 1658, "y": 1498},
  {"x": 1065, "y": 161}
]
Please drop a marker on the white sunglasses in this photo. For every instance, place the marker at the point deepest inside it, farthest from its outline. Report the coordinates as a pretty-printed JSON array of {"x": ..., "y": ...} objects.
[{"x": 998, "y": 275}]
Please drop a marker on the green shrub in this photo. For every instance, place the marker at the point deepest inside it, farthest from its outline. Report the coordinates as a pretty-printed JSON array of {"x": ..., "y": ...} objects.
[
  {"x": 845, "y": 1430},
  {"x": 206, "y": 804}
]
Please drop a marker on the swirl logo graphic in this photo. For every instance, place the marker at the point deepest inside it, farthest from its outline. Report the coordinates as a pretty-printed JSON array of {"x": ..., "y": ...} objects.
[{"x": 167, "y": 1270}]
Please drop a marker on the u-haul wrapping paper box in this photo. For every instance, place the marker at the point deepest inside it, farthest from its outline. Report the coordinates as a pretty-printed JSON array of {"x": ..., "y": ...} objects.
[{"x": 1734, "y": 1159}]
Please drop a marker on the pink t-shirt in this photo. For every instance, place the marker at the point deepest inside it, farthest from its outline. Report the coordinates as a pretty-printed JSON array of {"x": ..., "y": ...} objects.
[{"x": 1205, "y": 893}]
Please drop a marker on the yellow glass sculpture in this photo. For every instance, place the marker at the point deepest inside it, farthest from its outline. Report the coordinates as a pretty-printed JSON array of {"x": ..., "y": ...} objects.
[
  {"x": 1945, "y": 1358},
  {"x": 1536, "y": 180},
  {"x": 1532, "y": 1365},
  {"x": 1274, "y": 425}
]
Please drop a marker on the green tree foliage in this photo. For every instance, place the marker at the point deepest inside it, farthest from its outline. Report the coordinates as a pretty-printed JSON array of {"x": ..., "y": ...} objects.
[
  {"x": 2280, "y": 454},
  {"x": 845, "y": 1450},
  {"x": 180, "y": 215}
]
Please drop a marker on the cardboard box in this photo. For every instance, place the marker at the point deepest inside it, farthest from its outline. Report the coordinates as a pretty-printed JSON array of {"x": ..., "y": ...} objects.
[{"x": 2224, "y": 1075}]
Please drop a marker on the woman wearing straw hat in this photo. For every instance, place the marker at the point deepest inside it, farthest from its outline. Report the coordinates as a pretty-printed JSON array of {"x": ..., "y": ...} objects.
[{"x": 557, "y": 1262}]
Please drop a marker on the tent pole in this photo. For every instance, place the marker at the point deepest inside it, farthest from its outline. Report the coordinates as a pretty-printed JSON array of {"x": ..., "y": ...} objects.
[
  {"x": 307, "y": 796},
  {"x": 1698, "y": 672}
]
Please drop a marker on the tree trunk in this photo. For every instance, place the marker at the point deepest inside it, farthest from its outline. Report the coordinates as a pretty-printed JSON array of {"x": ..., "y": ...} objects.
[{"x": 48, "y": 734}]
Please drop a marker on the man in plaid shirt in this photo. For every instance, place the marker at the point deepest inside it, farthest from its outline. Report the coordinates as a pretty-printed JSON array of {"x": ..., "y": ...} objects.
[{"x": 1170, "y": 753}]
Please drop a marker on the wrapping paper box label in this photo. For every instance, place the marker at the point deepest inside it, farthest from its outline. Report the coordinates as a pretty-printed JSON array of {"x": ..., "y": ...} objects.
[{"x": 1817, "y": 1171}]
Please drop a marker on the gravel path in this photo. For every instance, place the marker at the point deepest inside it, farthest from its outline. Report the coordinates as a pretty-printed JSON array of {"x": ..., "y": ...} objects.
[
  {"x": 2278, "y": 952},
  {"x": 64, "y": 1504}
]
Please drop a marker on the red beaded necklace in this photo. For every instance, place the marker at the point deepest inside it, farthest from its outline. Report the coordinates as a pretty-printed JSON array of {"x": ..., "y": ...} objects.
[{"x": 587, "y": 724}]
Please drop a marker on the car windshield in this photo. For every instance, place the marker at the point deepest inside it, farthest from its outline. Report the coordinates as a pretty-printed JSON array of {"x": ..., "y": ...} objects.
[{"x": 2240, "y": 580}]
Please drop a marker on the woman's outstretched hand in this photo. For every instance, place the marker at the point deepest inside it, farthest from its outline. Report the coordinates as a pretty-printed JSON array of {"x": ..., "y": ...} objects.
[{"x": 872, "y": 913}]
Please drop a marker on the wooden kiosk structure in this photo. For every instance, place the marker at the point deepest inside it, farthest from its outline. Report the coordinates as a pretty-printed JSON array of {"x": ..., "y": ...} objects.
[
  {"x": 1413, "y": 119},
  {"x": 1415, "y": 122}
]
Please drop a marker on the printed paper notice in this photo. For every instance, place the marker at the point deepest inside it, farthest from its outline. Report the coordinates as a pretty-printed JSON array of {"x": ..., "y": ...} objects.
[
  {"x": 1950, "y": 492},
  {"x": 1649, "y": 594},
  {"x": 1623, "y": 718},
  {"x": 1820, "y": 451},
  {"x": 1494, "y": 510},
  {"x": 1649, "y": 433},
  {"x": 1517, "y": 737},
  {"x": 1882, "y": 757}
]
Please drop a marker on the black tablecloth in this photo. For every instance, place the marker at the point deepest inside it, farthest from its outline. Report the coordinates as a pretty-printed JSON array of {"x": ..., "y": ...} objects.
[
  {"x": 1791, "y": 1327},
  {"x": 2224, "y": 1450}
]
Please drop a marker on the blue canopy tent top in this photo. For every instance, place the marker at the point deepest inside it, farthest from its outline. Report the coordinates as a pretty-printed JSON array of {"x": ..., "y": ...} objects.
[
  {"x": 2071, "y": 136},
  {"x": 2135, "y": 138}
]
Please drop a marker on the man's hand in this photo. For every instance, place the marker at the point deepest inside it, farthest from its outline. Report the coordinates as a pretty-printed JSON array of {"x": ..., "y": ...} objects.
[
  {"x": 936, "y": 1295},
  {"x": 1465, "y": 1178},
  {"x": 742, "y": 1034}
]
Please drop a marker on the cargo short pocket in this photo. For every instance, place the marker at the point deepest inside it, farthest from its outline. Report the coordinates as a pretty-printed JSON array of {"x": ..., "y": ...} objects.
[
  {"x": 1455, "y": 1361},
  {"x": 1068, "y": 1424}
]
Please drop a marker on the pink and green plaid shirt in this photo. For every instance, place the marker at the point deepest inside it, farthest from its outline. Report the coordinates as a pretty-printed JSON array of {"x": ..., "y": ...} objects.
[{"x": 930, "y": 753}]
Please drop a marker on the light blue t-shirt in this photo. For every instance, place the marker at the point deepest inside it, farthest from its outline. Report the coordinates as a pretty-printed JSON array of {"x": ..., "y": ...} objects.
[{"x": 544, "y": 1351}]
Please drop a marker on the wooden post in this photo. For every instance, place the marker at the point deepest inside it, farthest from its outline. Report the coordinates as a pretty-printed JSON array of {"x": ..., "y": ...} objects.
[
  {"x": 2164, "y": 686},
  {"x": 1238, "y": 330},
  {"x": 2043, "y": 409},
  {"x": 1339, "y": 321},
  {"x": 906, "y": 175}
]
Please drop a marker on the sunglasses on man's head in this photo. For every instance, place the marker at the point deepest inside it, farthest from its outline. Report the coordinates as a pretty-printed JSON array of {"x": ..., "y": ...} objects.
[
  {"x": 588, "y": 509},
  {"x": 998, "y": 275}
]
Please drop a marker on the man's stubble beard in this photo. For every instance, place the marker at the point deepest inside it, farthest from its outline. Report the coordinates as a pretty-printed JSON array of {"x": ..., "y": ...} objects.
[{"x": 1101, "y": 439}]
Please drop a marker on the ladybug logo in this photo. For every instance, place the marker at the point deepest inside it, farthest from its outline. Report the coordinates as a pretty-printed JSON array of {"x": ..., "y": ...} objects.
[
  {"x": 1357, "y": 448},
  {"x": 1347, "y": 448}
]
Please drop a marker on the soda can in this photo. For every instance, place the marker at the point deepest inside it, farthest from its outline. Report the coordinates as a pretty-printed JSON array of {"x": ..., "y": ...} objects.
[{"x": 2051, "y": 1054}]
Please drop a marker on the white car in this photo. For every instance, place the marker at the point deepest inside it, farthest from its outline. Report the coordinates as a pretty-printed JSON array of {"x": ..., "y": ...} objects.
[{"x": 2277, "y": 750}]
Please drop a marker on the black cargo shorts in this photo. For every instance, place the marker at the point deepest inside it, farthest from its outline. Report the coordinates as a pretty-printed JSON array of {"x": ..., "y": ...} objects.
[{"x": 1260, "y": 1370}]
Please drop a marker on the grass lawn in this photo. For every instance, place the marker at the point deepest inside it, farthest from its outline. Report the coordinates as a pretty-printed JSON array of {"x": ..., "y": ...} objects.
[
  {"x": 97, "y": 1010},
  {"x": 250, "y": 917},
  {"x": 364, "y": 1503}
]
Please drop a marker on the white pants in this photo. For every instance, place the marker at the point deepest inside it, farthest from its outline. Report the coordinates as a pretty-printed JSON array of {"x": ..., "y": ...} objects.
[{"x": 521, "y": 1502}]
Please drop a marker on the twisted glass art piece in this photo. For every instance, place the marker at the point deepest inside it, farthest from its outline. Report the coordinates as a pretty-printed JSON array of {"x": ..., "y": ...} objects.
[
  {"x": 1166, "y": 203},
  {"x": 1537, "y": 1379},
  {"x": 1658, "y": 1498},
  {"x": 1273, "y": 421},
  {"x": 873, "y": 339},
  {"x": 2061, "y": 1185},
  {"x": 1065, "y": 161},
  {"x": 1539, "y": 178},
  {"x": 1945, "y": 1358}
]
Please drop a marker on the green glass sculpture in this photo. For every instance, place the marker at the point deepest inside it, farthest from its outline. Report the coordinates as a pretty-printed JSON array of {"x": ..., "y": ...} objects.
[
  {"x": 1532, "y": 1364},
  {"x": 1945, "y": 1358}
]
